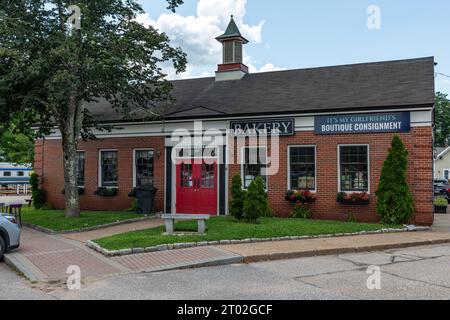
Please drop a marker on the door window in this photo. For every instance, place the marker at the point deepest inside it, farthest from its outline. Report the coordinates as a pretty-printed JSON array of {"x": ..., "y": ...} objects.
[
  {"x": 207, "y": 176},
  {"x": 186, "y": 175}
]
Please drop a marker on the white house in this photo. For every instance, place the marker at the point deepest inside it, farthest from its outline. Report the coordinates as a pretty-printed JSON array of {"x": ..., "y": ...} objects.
[{"x": 442, "y": 163}]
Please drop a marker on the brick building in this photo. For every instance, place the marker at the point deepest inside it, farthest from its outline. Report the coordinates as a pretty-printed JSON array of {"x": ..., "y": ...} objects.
[{"x": 328, "y": 130}]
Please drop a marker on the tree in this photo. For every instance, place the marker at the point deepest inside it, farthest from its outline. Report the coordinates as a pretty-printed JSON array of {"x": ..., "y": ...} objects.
[
  {"x": 54, "y": 62},
  {"x": 256, "y": 202},
  {"x": 237, "y": 198},
  {"x": 395, "y": 203},
  {"x": 442, "y": 120},
  {"x": 16, "y": 148}
]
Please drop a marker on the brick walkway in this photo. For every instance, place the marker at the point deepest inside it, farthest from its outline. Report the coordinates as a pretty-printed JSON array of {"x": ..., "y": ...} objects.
[
  {"x": 175, "y": 259},
  {"x": 105, "y": 232},
  {"x": 47, "y": 257},
  {"x": 44, "y": 257}
]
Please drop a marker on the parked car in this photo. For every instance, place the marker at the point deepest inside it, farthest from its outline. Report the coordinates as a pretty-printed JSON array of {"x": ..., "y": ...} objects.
[
  {"x": 442, "y": 188},
  {"x": 9, "y": 234}
]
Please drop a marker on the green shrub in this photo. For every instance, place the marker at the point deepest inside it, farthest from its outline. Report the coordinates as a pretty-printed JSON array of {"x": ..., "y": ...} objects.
[
  {"x": 134, "y": 207},
  {"x": 37, "y": 194},
  {"x": 440, "y": 202},
  {"x": 237, "y": 198},
  {"x": 351, "y": 218},
  {"x": 255, "y": 203},
  {"x": 395, "y": 203},
  {"x": 301, "y": 212}
]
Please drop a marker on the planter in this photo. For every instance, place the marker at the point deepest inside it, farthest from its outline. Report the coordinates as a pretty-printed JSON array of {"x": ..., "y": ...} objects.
[
  {"x": 440, "y": 209},
  {"x": 355, "y": 202},
  {"x": 106, "y": 192},
  {"x": 80, "y": 191},
  {"x": 303, "y": 197}
]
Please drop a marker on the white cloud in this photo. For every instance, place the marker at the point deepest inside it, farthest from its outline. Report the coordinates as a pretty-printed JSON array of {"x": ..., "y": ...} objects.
[{"x": 196, "y": 34}]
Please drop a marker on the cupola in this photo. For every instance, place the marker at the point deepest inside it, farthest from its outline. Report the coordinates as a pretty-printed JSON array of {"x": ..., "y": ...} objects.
[{"x": 232, "y": 67}]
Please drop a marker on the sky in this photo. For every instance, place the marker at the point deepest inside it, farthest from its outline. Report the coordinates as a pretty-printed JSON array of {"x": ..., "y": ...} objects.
[{"x": 294, "y": 34}]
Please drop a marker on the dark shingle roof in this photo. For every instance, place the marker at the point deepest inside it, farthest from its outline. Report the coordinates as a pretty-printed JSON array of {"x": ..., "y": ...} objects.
[{"x": 391, "y": 84}]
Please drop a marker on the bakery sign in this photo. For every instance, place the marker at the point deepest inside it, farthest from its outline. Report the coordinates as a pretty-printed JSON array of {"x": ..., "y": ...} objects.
[
  {"x": 363, "y": 123},
  {"x": 282, "y": 127}
]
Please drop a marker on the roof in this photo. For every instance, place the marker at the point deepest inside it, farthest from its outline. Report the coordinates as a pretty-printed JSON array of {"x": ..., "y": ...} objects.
[
  {"x": 231, "y": 32},
  {"x": 368, "y": 86},
  {"x": 441, "y": 152}
]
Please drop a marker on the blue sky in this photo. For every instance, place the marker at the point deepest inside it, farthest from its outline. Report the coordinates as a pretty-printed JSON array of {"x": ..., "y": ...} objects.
[{"x": 291, "y": 34}]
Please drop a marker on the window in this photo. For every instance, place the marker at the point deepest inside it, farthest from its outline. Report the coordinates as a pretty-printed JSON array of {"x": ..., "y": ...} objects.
[
  {"x": 80, "y": 163},
  {"x": 143, "y": 162},
  {"x": 108, "y": 169},
  {"x": 354, "y": 168},
  {"x": 302, "y": 168},
  {"x": 254, "y": 165},
  {"x": 20, "y": 173},
  {"x": 7, "y": 174}
]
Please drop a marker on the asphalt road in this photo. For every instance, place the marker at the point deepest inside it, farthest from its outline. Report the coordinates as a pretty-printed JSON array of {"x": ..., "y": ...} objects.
[{"x": 414, "y": 273}]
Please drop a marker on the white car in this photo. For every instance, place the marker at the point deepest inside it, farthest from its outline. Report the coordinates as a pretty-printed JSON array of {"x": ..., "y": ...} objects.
[{"x": 9, "y": 234}]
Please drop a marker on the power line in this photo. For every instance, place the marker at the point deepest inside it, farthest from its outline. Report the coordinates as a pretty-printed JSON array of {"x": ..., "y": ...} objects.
[{"x": 442, "y": 74}]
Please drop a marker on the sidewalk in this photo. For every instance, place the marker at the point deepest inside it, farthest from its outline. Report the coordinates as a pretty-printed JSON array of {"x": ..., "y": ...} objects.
[
  {"x": 263, "y": 251},
  {"x": 109, "y": 231},
  {"x": 44, "y": 257}
]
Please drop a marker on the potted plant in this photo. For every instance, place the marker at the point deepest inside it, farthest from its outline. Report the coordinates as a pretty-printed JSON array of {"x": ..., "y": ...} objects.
[
  {"x": 300, "y": 196},
  {"x": 106, "y": 192},
  {"x": 356, "y": 198},
  {"x": 440, "y": 205}
]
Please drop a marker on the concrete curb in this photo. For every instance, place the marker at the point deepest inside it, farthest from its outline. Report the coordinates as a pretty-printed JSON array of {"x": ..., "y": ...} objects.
[
  {"x": 327, "y": 252},
  {"x": 165, "y": 247},
  {"x": 104, "y": 226},
  {"x": 22, "y": 265}
]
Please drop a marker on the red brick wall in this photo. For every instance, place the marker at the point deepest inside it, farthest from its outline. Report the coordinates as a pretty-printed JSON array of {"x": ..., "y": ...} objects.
[
  {"x": 420, "y": 173},
  {"x": 49, "y": 166}
]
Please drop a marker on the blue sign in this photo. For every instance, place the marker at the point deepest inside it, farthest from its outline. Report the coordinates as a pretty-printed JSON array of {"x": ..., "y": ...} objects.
[{"x": 363, "y": 123}]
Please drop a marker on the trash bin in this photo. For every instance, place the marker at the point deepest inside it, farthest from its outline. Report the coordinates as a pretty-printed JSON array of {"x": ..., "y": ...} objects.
[{"x": 145, "y": 196}]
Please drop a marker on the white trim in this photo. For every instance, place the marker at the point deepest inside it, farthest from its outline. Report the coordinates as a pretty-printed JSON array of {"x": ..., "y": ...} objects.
[
  {"x": 134, "y": 163},
  {"x": 160, "y": 130},
  {"x": 100, "y": 167},
  {"x": 289, "y": 164},
  {"x": 339, "y": 165},
  {"x": 243, "y": 163}
]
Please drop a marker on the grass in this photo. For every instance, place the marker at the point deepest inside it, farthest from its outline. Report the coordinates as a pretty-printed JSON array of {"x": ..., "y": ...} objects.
[
  {"x": 228, "y": 228},
  {"x": 55, "y": 219}
]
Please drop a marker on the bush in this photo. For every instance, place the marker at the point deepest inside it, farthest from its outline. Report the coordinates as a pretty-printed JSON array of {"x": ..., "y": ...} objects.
[
  {"x": 301, "y": 212},
  {"x": 395, "y": 203},
  {"x": 134, "y": 207},
  {"x": 37, "y": 194},
  {"x": 256, "y": 202},
  {"x": 237, "y": 198},
  {"x": 440, "y": 202}
]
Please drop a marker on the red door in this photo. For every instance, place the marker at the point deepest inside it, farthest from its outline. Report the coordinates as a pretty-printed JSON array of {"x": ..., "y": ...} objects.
[{"x": 196, "y": 188}]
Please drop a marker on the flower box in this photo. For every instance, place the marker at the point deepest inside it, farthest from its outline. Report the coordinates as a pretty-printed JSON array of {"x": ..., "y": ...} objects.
[
  {"x": 353, "y": 199},
  {"x": 440, "y": 209},
  {"x": 106, "y": 192},
  {"x": 80, "y": 191},
  {"x": 300, "y": 196}
]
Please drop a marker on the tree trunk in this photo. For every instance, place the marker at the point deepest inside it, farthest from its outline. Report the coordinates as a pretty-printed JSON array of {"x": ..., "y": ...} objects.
[{"x": 69, "y": 144}]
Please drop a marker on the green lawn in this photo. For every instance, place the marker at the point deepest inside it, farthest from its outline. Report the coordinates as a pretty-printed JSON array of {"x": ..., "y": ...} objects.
[
  {"x": 55, "y": 219},
  {"x": 227, "y": 228}
]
